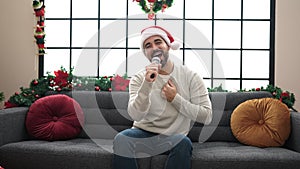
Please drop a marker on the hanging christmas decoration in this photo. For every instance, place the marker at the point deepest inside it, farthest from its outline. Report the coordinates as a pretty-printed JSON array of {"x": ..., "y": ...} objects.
[
  {"x": 39, "y": 35},
  {"x": 153, "y": 6}
]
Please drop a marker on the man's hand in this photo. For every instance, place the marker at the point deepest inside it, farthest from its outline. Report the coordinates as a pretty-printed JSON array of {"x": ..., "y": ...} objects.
[
  {"x": 169, "y": 90},
  {"x": 152, "y": 69}
]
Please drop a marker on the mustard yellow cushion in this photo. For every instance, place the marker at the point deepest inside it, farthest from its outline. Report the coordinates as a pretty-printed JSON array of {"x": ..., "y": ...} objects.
[{"x": 261, "y": 122}]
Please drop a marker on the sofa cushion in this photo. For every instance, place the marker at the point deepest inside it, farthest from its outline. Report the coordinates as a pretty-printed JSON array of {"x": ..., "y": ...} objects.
[
  {"x": 55, "y": 117},
  {"x": 64, "y": 154},
  {"x": 233, "y": 155},
  {"x": 261, "y": 122}
]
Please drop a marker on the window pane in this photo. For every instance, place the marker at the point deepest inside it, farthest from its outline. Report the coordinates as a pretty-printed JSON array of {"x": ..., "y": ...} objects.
[
  {"x": 198, "y": 34},
  {"x": 84, "y": 9},
  {"x": 177, "y": 56},
  {"x": 230, "y": 85},
  {"x": 175, "y": 27},
  {"x": 199, "y": 61},
  {"x": 175, "y": 11},
  {"x": 85, "y": 62},
  {"x": 112, "y": 62},
  {"x": 256, "y": 64},
  {"x": 57, "y": 9},
  {"x": 256, "y": 9},
  {"x": 253, "y": 84},
  {"x": 256, "y": 34},
  {"x": 201, "y": 9},
  {"x": 84, "y": 33},
  {"x": 113, "y": 33},
  {"x": 227, "y": 34},
  {"x": 55, "y": 58},
  {"x": 207, "y": 83},
  {"x": 135, "y": 10},
  {"x": 137, "y": 13},
  {"x": 57, "y": 33},
  {"x": 134, "y": 31},
  {"x": 223, "y": 61},
  {"x": 115, "y": 9},
  {"x": 229, "y": 9},
  {"x": 136, "y": 61}
]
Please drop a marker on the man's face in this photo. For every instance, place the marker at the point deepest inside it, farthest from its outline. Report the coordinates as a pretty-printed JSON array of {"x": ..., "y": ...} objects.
[{"x": 155, "y": 46}]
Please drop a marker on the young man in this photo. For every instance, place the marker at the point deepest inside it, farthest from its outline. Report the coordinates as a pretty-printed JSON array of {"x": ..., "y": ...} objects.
[{"x": 164, "y": 99}]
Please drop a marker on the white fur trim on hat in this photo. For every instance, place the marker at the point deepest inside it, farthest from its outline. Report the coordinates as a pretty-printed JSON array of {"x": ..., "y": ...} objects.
[{"x": 157, "y": 30}]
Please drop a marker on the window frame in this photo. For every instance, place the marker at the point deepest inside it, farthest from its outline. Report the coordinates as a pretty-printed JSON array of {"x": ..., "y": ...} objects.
[{"x": 271, "y": 49}]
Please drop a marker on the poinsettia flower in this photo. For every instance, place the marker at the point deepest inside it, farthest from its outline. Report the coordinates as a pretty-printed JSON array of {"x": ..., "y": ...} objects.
[
  {"x": 284, "y": 94},
  {"x": 120, "y": 84},
  {"x": 61, "y": 78}
]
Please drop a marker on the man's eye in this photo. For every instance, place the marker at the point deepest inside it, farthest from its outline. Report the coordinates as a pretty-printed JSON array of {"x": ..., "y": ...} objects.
[{"x": 158, "y": 43}]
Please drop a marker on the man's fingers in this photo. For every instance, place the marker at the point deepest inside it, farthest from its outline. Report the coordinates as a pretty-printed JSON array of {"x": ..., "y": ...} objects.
[{"x": 170, "y": 83}]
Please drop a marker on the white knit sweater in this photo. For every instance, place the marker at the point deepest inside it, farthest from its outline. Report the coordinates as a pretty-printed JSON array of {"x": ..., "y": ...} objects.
[{"x": 152, "y": 112}]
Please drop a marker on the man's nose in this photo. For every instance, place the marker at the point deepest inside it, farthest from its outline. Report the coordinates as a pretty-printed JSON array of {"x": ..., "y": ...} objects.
[{"x": 155, "y": 47}]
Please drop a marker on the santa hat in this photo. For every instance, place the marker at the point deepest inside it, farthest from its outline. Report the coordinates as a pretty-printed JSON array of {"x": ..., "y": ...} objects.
[{"x": 157, "y": 30}]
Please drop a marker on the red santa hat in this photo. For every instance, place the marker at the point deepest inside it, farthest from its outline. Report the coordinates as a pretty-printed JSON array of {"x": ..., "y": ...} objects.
[{"x": 157, "y": 30}]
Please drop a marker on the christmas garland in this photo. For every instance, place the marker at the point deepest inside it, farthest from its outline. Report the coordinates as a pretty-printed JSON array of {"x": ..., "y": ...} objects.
[
  {"x": 154, "y": 6},
  {"x": 63, "y": 80},
  {"x": 1, "y": 96},
  {"x": 285, "y": 97}
]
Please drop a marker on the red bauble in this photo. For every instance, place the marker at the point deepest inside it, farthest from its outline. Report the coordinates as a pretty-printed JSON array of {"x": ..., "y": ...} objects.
[
  {"x": 35, "y": 82},
  {"x": 151, "y": 16},
  {"x": 151, "y": 1},
  {"x": 97, "y": 88},
  {"x": 164, "y": 7}
]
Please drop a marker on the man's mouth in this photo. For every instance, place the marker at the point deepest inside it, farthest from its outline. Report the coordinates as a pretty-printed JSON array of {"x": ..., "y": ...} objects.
[{"x": 157, "y": 54}]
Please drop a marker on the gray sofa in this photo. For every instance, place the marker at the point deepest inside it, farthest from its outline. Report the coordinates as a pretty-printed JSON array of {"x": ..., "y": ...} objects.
[{"x": 106, "y": 114}]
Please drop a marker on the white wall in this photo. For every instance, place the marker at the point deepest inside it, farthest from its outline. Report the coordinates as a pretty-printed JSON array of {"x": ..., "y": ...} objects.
[
  {"x": 18, "y": 64},
  {"x": 287, "y": 47}
]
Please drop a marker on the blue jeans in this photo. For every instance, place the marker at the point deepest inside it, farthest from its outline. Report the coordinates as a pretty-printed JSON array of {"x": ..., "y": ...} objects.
[{"x": 134, "y": 143}]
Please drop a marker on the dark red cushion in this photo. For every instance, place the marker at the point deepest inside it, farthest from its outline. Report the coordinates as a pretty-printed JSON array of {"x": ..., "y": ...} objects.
[{"x": 55, "y": 117}]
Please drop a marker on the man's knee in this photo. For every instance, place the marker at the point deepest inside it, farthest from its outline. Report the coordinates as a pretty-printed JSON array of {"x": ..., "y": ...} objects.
[{"x": 184, "y": 144}]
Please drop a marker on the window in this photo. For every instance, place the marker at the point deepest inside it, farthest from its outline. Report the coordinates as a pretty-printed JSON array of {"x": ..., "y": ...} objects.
[{"x": 228, "y": 42}]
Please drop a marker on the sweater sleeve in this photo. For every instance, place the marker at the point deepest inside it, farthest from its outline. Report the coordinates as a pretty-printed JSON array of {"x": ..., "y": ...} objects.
[
  {"x": 198, "y": 108},
  {"x": 139, "y": 97}
]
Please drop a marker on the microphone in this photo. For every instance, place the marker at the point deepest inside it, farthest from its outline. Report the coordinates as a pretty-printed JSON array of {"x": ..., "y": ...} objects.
[{"x": 155, "y": 60}]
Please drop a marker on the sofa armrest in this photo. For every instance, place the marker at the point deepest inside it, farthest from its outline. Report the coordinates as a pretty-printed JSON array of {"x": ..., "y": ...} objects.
[
  {"x": 12, "y": 125},
  {"x": 293, "y": 142}
]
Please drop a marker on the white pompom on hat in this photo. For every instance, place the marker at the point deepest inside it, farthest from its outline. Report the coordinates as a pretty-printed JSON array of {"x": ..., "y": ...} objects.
[{"x": 157, "y": 30}]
